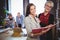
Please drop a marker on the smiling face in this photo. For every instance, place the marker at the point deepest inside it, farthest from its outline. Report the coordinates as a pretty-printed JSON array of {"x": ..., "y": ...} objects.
[
  {"x": 48, "y": 6},
  {"x": 33, "y": 10}
]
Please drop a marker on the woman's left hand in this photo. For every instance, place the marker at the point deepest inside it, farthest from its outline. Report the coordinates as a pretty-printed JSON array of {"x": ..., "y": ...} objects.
[{"x": 50, "y": 26}]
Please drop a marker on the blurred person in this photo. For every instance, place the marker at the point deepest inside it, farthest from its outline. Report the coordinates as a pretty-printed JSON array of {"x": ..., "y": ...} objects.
[
  {"x": 32, "y": 22},
  {"x": 10, "y": 21},
  {"x": 46, "y": 18},
  {"x": 19, "y": 19}
]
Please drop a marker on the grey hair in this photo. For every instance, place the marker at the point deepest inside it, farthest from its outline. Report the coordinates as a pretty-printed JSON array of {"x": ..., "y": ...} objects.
[{"x": 52, "y": 4}]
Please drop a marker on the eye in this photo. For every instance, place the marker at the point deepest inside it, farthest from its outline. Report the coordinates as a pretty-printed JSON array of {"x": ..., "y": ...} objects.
[{"x": 49, "y": 6}]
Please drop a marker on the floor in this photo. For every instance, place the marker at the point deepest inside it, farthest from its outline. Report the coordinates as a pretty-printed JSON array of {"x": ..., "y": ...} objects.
[{"x": 7, "y": 36}]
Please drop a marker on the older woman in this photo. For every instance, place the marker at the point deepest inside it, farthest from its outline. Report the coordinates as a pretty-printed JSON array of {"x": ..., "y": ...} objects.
[
  {"x": 32, "y": 22},
  {"x": 46, "y": 19}
]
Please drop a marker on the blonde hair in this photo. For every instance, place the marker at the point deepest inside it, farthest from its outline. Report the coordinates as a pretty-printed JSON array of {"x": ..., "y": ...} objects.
[{"x": 52, "y": 4}]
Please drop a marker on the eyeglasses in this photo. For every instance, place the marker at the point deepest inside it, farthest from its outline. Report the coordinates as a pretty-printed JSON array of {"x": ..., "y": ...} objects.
[{"x": 48, "y": 6}]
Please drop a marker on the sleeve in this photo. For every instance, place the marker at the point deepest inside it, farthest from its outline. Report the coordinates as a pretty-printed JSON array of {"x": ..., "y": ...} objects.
[
  {"x": 52, "y": 19},
  {"x": 39, "y": 15},
  {"x": 28, "y": 25},
  {"x": 22, "y": 18},
  {"x": 13, "y": 20}
]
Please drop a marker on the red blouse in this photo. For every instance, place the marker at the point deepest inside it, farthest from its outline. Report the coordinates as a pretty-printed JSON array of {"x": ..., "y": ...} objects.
[{"x": 44, "y": 19}]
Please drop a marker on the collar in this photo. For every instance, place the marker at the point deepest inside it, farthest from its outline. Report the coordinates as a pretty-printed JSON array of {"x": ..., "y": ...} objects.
[{"x": 31, "y": 17}]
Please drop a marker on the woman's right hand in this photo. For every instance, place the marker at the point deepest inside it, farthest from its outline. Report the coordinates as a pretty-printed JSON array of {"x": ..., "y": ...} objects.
[{"x": 34, "y": 35}]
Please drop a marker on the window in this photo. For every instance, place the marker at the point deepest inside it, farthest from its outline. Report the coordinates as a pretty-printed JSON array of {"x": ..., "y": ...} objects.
[{"x": 15, "y": 6}]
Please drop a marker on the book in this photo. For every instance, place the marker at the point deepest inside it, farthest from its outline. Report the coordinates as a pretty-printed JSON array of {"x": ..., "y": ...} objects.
[
  {"x": 44, "y": 28},
  {"x": 38, "y": 30}
]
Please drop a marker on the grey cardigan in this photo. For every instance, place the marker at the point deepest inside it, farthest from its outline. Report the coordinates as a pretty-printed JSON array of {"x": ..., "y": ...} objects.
[{"x": 31, "y": 23}]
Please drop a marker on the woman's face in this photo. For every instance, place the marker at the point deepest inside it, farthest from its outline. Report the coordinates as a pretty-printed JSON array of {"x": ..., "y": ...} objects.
[
  {"x": 48, "y": 7},
  {"x": 33, "y": 10}
]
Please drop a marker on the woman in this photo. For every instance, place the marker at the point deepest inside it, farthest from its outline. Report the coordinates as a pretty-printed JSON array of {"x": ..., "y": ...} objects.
[
  {"x": 31, "y": 22},
  {"x": 46, "y": 19}
]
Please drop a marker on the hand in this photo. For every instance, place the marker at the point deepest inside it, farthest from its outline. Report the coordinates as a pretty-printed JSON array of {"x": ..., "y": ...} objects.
[
  {"x": 44, "y": 31},
  {"x": 37, "y": 34},
  {"x": 32, "y": 35},
  {"x": 50, "y": 26}
]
